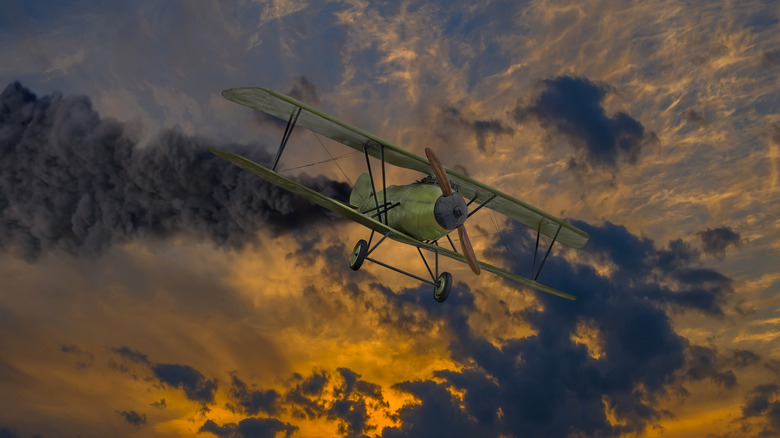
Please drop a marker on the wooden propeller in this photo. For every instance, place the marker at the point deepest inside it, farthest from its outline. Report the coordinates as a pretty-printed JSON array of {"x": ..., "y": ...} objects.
[{"x": 446, "y": 189}]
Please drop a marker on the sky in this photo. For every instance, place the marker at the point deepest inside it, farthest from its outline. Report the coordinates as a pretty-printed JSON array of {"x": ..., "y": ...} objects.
[{"x": 152, "y": 289}]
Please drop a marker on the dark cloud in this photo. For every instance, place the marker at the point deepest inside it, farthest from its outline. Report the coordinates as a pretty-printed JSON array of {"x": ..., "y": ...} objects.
[
  {"x": 84, "y": 358},
  {"x": 775, "y": 136},
  {"x": 133, "y": 417},
  {"x": 759, "y": 400},
  {"x": 694, "y": 117},
  {"x": 703, "y": 362},
  {"x": 743, "y": 358},
  {"x": 349, "y": 403},
  {"x": 451, "y": 121},
  {"x": 304, "y": 91},
  {"x": 716, "y": 240},
  {"x": 770, "y": 59},
  {"x": 438, "y": 415},
  {"x": 350, "y": 406},
  {"x": 763, "y": 402},
  {"x": 762, "y": 21},
  {"x": 7, "y": 432},
  {"x": 249, "y": 428},
  {"x": 309, "y": 397},
  {"x": 132, "y": 355},
  {"x": 679, "y": 253},
  {"x": 221, "y": 431},
  {"x": 72, "y": 181},
  {"x": 254, "y": 401},
  {"x": 195, "y": 385},
  {"x": 573, "y": 108},
  {"x": 549, "y": 385},
  {"x": 305, "y": 398}
]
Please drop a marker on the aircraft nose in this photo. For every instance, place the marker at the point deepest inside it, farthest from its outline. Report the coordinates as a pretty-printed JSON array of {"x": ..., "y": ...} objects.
[{"x": 450, "y": 211}]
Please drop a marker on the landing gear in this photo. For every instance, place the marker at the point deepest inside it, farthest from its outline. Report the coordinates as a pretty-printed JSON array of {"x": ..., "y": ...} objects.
[
  {"x": 441, "y": 284},
  {"x": 441, "y": 290},
  {"x": 358, "y": 255}
]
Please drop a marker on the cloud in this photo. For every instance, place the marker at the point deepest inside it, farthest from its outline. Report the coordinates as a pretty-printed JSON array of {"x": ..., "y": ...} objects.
[
  {"x": 693, "y": 117},
  {"x": 702, "y": 362},
  {"x": 305, "y": 399},
  {"x": 254, "y": 401},
  {"x": 72, "y": 181},
  {"x": 132, "y": 355},
  {"x": 84, "y": 358},
  {"x": 192, "y": 381},
  {"x": 548, "y": 384},
  {"x": 304, "y": 91},
  {"x": 350, "y": 406},
  {"x": 133, "y": 417},
  {"x": 573, "y": 107},
  {"x": 763, "y": 402},
  {"x": 451, "y": 121},
  {"x": 348, "y": 402},
  {"x": 716, "y": 240},
  {"x": 249, "y": 428},
  {"x": 346, "y": 399},
  {"x": 194, "y": 384},
  {"x": 770, "y": 59}
]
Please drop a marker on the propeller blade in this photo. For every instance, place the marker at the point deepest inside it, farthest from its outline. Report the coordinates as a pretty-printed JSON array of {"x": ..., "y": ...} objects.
[
  {"x": 441, "y": 174},
  {"x": 468, "y": 251},
  {"x": 446, "y": 189}
]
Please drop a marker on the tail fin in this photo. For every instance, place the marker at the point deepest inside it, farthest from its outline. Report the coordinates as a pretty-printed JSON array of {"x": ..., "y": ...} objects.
[{"x": 361, "y": 191}]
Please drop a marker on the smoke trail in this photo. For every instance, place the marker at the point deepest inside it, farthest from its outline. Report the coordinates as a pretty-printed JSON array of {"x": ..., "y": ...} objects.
[{"x": 73, "y": 181}]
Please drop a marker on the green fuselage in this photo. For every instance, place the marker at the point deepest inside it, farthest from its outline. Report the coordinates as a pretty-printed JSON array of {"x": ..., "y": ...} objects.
[{"x": 415, "y": 213}]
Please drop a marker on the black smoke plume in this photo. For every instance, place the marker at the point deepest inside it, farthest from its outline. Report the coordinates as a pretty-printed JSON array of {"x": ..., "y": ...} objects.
[{"x": 73, "y": 181}]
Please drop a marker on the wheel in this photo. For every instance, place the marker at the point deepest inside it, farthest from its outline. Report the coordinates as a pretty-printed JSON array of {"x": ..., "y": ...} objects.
[
  {"x": 358, "y": 255},
  {"x": 442, "y": 289}
]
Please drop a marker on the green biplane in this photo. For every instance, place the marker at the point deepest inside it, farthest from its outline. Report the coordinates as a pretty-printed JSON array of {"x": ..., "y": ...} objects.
[{"x": 418, "y": 214}]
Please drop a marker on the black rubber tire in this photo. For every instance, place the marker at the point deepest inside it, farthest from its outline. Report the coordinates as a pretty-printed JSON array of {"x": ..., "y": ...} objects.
[
  {"x": 442, "y": 289},
  {"x": 358, "y": 255}
]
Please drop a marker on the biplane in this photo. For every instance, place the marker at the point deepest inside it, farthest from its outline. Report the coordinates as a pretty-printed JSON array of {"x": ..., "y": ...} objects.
[{"x": 418, "y": 214}]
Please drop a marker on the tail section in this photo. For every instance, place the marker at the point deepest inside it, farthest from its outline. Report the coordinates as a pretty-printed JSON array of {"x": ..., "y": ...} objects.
[{"x": 361, "y": 191}]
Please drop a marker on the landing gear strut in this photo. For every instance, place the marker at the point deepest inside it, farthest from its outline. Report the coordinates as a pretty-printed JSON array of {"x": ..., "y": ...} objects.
[{"x": 441, "y": 284}]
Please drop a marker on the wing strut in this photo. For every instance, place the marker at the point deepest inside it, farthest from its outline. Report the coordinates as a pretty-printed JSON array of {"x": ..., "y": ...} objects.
[
  {"x": 287, "y": 131},
  {"x": 480, "y": 205},
  {"x": 385, "y": 205},
  {"x": 548, "y": 250}
]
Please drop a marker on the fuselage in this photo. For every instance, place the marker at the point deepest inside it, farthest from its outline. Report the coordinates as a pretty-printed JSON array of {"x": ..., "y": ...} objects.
[{"x": 422, "y": 211}]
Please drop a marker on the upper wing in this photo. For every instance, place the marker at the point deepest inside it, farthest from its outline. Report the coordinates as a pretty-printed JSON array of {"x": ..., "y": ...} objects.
[
  {"x": 350, "y": 213},
  {"x": 282, "y": 106}
]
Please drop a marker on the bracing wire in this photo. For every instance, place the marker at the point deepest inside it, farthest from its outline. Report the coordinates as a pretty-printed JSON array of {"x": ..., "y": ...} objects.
[
  {"x": 320, "y": 162},
  {"x": 503, "y": 242},
  {"x": 455, "y": 239},
  {"x": 333, "y": 159}
]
